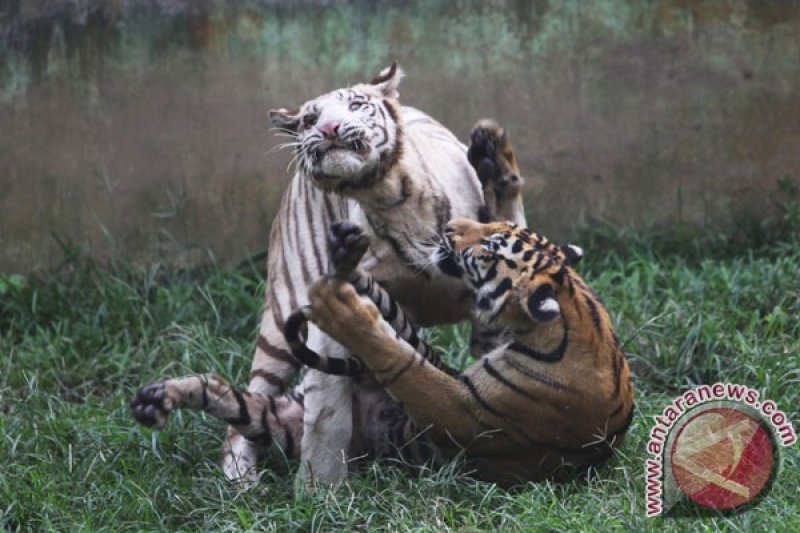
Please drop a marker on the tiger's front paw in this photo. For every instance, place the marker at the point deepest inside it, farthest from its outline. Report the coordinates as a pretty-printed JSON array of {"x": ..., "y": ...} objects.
[
  {"x": 338, "y": 310},
  {"x": 150, "y": 405},
  {"x": 491, "y": 155},
  {"x": 347, "y": 243}
]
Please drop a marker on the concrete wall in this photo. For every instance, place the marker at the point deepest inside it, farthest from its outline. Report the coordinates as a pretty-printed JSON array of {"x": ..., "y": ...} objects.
[{"x": 138, "y": 128}]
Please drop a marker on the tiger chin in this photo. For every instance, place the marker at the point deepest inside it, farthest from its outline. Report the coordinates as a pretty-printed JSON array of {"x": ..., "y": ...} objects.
[{"x": 554, "y": 399}]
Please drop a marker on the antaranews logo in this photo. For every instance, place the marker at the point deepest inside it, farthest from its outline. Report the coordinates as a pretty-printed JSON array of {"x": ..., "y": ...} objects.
[{"x": 716, "y": 445}]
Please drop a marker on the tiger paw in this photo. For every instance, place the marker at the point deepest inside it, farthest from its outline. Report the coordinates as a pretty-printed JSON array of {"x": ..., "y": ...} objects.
[
  {"x": 338, "y": 310},
  {"x": 491, "y": 155},
  {"x": 347, "y": 243},
  {"x": 149, "y": 405}
]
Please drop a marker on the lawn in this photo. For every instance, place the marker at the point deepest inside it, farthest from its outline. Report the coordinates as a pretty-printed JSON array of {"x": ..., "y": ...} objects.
[{"x": 77, "y": 343}]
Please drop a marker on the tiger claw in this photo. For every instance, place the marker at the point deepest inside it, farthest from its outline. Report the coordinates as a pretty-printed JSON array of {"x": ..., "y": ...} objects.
[
  {"x": 482, "y": 152},
  {"x": 347, "y": 243},
  {"x": 482, "y": 142},
  {"x": 491, "y": 155},
  {"x": 481, "y": 145},
  {"x": 148, "y": 405}
]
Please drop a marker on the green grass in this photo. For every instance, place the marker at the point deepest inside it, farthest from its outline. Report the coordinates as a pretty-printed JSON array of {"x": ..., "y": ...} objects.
[{"x": 77, "y": 344}]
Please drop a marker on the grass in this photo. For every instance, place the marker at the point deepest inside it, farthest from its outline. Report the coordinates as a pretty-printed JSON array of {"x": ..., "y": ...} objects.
[{"x": 77, "y": 344}]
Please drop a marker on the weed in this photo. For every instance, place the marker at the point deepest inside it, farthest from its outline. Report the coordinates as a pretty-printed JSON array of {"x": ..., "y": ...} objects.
[{"x": 76, "y": 346}]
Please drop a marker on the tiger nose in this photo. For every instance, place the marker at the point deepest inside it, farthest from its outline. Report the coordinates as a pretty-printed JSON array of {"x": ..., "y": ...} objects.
[{"x": 330, "y": 129}]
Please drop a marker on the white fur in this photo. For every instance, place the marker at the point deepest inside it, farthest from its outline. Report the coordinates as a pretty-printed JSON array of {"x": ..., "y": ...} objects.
[{"x": 346, "y": 163}]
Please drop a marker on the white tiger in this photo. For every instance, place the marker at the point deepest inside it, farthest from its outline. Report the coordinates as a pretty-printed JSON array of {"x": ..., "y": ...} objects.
[{"x": 362, "y": 157}]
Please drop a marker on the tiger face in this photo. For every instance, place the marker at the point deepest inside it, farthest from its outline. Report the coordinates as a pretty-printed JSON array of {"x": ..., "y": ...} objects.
[
  {"x": 347, "y": 137},
  {"x": 514, "y": 275}
]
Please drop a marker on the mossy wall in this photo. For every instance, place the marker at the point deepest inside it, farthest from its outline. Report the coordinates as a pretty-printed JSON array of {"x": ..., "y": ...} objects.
[{"x": 138, "y": 128}]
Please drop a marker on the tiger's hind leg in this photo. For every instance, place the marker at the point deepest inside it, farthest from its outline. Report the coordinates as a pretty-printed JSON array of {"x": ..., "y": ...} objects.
[
  {"x": 328, "y": 425},
  {"x": 273, "y": 369},
  {"x": 239, "y": 457},
  {"x": 255, "y": 420}
]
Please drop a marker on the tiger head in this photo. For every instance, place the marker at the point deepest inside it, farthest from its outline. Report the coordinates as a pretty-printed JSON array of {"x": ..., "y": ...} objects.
[
  {"x": 515, "y": 275},
  {"x": 348, "y": 137}
]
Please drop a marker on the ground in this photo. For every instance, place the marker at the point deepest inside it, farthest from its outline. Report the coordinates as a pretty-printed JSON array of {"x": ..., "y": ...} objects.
[{"x": 76, "y": 345}]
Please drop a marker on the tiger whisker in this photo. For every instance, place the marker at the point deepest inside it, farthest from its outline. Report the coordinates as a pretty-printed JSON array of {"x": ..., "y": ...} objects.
[
  {"x": 282, "y": 146},
  {"x": 426, "y": 260},
  {"x": 279, "y": 130},
  {"x": 288, "y": 137},
  {"x": 292, "y": 161},
  {"x": 299, "y": 154}
]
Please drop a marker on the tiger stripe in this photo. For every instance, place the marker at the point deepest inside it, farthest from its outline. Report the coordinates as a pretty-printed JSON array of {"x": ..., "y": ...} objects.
[
  {"x": 391, "y": 312},
  {"x": 258, "y": 418},
  {"x": 421, "y": 178},
  {"x": 526, "y": 409},
  {"x": 540, "y": 377},
  {"x": 466, "y": 380},
  {"x": 492, "y": 371}
]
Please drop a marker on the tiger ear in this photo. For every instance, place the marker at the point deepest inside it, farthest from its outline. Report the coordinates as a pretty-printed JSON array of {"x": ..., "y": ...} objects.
[
  {"x": 572, "y": 254},
  {"x": 388, "y": 80},
  {"x": 542, "y": 305},
  {"x": 285, "y": 119}
]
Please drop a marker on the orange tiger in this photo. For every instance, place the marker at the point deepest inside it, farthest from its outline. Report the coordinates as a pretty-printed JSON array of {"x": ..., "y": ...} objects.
[{"x": 555, "y": 397}]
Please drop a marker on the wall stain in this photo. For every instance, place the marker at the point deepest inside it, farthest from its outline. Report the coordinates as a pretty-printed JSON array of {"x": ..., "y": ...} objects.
[{"x": 139, "y": 128}]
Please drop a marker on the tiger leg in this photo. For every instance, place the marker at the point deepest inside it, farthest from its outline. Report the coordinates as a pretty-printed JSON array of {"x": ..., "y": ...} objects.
[
  {"x": 257, "y": 418},
  {"x": 430, "y": 396},
  {"x": 239, "y": 456},
  {"x": 347, "y": 244},
  {"x": 491, "y": 155},
  {"x": 273, "y": 369},
  {"x": 398, "y": 319},
  {"x": 383, "y": 429},
  {"x": 328, "y": 418}
]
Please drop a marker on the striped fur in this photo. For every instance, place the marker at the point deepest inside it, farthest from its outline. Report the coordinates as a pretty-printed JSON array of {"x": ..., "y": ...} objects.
[
  {"x": 555, "y": 399},
  {"x": 347, "y": 244},
  {"x": 393, "y": 170},
  {"x": 384, "y": 429}
]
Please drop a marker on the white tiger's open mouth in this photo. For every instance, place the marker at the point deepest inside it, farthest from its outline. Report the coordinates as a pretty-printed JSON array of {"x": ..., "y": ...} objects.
[
  {"x": 358, "y": 146},
  {"x": 339, "y": 160}
]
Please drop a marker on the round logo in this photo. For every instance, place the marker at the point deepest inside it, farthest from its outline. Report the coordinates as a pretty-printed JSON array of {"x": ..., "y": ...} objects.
[{"x": 722, "y": 458}]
